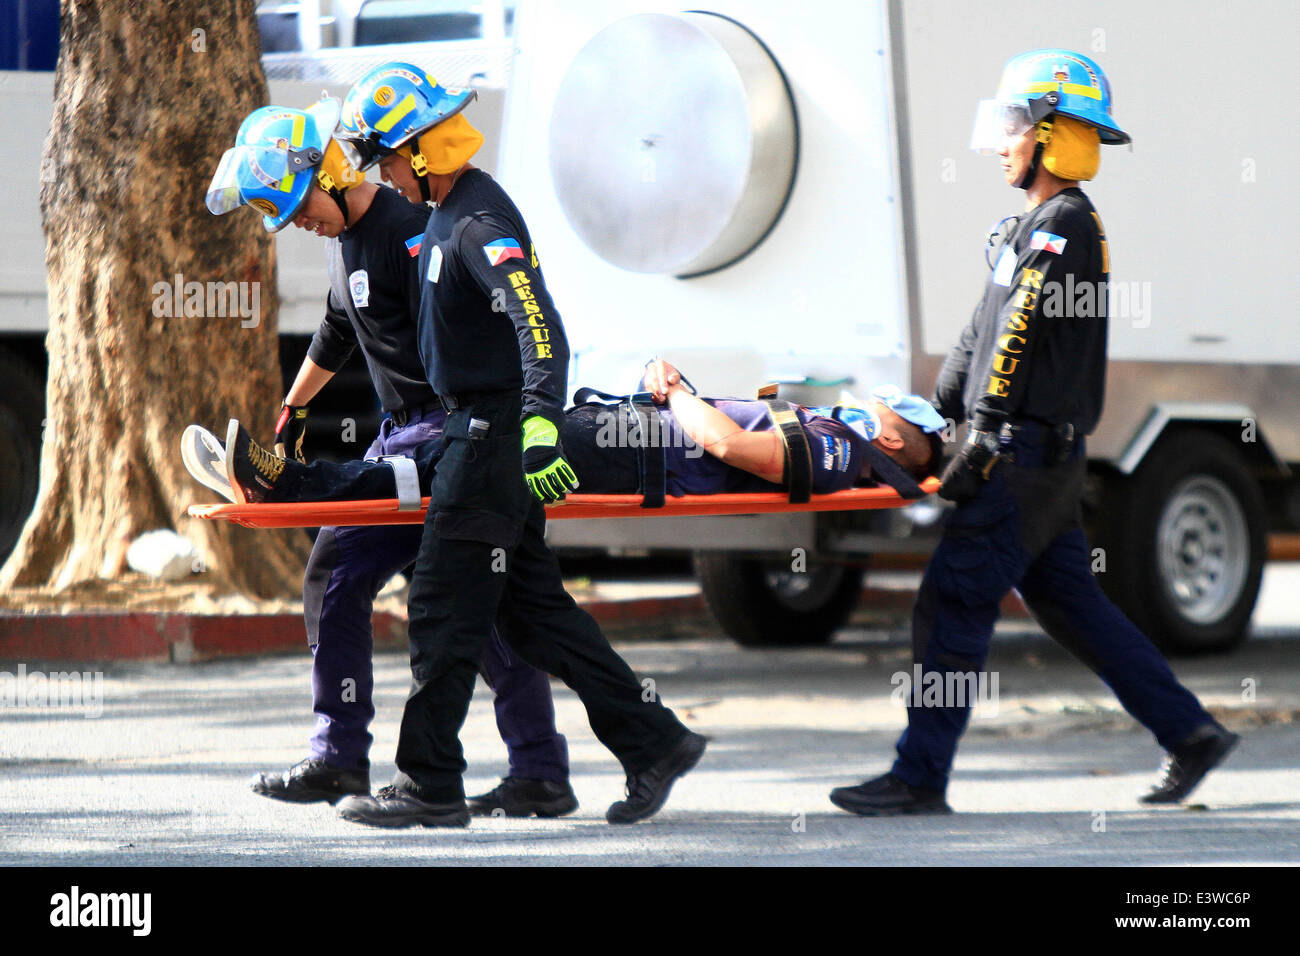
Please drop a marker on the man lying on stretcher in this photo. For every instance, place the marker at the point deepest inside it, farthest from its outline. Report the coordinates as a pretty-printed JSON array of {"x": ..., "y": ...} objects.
[{"x": 706, "y": 446}]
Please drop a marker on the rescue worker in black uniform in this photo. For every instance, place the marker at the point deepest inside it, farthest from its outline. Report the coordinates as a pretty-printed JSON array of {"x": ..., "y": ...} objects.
[
  {"x": 495, "y": 352},
  {"x": 1028, "y": 374},
  {"x": 373, "y": 243}
]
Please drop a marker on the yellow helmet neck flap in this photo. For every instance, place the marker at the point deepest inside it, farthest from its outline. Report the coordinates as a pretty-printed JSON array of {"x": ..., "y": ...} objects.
[
  {"x": 1073, "y": 149},
  {"x": 442, "y": 149}
]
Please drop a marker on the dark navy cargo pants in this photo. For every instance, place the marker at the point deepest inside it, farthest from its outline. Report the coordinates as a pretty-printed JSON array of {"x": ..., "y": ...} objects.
[
  {"x": 484, "y": 559},
  {"x": 347, "y": 569},
  {"x": 1023, "y": 531}
]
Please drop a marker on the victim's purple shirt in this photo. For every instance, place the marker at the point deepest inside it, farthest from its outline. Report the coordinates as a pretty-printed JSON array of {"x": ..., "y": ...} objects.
[{"x": 836, "y": 453}]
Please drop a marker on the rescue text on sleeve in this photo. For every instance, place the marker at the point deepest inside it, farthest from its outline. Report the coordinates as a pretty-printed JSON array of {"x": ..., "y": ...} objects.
[
  {"x": 512, "y": 279},
  {"x": 1050, "y": 254}
]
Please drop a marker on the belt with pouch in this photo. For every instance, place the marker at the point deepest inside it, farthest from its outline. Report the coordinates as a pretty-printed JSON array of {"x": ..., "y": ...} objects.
[
  {"x": 1041, "y": 443},
  {"x": 403, "y": 416},
  {"x": 452, "y": 401}
]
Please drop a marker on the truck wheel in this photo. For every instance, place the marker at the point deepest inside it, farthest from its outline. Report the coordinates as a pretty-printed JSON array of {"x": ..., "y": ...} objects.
[
  {"x": 22, "y": 404},
  {"x": 764, "y": 604},
  {"x": 1185, "y": 542}
]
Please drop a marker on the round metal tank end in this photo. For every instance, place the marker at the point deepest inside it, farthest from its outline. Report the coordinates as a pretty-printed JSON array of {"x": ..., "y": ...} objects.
[{"x": 673, "y": 143}]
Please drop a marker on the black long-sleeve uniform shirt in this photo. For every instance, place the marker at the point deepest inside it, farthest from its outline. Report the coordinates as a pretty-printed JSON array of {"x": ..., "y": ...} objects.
[
  {"x": 381, "y": 265},
  {"x": 487, "y": 321},
  {"x": 1036, "y": 346}
]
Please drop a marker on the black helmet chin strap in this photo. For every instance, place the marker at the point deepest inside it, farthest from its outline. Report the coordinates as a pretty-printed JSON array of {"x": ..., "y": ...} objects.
[
  {"x": 420, "y": 167},
  {"x": 341, "y": 199},
  {"x": 1040, "y": 111},
  {"x": 338, "y": 195},
  {"x": 1043, "y": 135}
]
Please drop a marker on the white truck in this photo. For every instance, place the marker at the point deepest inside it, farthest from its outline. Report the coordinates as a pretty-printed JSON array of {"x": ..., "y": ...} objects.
[{"x": 780, "y": 192}]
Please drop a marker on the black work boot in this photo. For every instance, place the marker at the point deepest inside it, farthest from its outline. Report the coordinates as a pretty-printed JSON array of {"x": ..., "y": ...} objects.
[
  {"x": 648, "y": 790},
  {"x": 311, "y": 780},
  {"x": 887, "y": 796},
  {"x": 253, "y": 471},
  {"x": 391, "y": 807},
  {"x": 522, "y": 797},
  {"x": 1187, "y": 764}
]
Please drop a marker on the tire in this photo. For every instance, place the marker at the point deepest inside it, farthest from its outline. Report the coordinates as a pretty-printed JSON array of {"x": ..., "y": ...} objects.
[
  {"x": 1185, "y": 540},
  {"x": 763, "y": 604},
  {"x": 22, "y": 406}
]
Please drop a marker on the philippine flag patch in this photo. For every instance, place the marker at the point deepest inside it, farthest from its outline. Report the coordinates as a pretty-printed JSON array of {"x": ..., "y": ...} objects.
[
  {"x": 499, "y": 250},
  {"x": 1048, "y": 242},
  {"x": 413, "y": 245}
]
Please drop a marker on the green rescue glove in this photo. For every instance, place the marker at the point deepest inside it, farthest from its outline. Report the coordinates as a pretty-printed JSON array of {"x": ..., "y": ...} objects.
[{"x": 547, "y": 473}]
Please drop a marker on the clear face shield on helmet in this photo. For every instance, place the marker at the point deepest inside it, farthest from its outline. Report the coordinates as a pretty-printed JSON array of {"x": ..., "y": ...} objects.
[
  {"x": 1000, "y": 121},
  {"x": 359, "y": 144},
  {"x": 245, "y": 171},
  {"x": 997, "y": 122},
  {"x": 360, "y": 153}
]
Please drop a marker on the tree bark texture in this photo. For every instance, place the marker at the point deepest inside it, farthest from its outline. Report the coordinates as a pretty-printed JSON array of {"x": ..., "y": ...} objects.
[{"x": 148, "y": 95}]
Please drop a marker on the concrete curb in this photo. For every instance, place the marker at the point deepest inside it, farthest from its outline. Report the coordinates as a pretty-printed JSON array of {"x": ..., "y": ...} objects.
[{"x": 105, "y": 636}]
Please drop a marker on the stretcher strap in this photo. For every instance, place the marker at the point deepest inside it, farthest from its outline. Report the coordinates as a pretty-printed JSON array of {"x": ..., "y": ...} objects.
[
  {"x": 643, "y": 415},
  {"x": 315, "y": 514},
  {"x": 407, "y": 479},
  {"x": 797, "y": 476},
  {"x": 650, "y": 450}
]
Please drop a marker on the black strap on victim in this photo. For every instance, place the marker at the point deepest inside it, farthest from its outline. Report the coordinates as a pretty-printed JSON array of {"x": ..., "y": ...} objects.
[
  {"x": 643, "y": 416},
  {"x": 798, "y": 474},
  {"x": 650, "y": 450},
  {"x": 886, "y": 471}
]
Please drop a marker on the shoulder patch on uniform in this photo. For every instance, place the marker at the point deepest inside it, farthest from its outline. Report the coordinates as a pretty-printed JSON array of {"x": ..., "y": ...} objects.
[
  {"x": 1047, "y": 241},
  {"x": 435, "y": 263},
  {"x": 359, "y": 286},
  {"x": 499, "y": 250},
  {"x": 413, "y": 245}
]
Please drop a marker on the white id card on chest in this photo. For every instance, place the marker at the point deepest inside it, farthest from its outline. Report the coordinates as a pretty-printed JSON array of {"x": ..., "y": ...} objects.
[
  {"x": 1005, "y": 270},
  {"x": 435, "y": 263}
]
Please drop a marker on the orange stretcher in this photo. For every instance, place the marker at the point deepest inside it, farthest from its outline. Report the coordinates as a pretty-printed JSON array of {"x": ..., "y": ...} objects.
[{"x": 314, "y": 514}]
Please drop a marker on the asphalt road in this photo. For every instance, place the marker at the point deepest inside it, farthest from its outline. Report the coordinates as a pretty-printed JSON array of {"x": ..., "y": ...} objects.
[{"x": 1048, "y": 776}]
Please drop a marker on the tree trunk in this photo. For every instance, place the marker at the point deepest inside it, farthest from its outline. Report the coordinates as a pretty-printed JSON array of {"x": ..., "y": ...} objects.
[{"x": 147, "y": 96}]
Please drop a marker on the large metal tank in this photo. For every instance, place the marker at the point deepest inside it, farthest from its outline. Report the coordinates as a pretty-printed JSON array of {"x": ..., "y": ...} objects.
[{"x": 673, "y": 143}]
